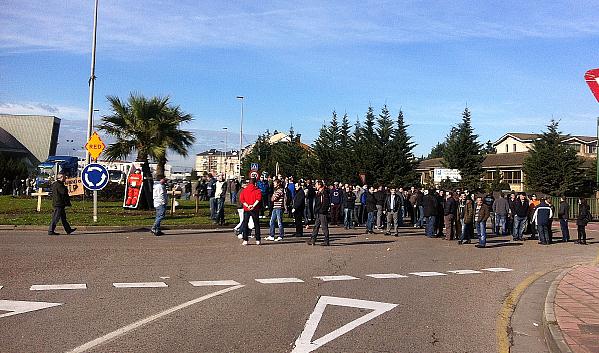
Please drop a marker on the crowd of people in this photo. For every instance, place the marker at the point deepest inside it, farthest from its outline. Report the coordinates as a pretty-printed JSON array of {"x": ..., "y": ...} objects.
[{"x": 458, "y": 214}]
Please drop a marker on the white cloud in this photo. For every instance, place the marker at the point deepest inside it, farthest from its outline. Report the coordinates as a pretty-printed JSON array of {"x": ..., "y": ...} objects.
[
  {"x": 37, "y": 108},
  {"x": 129, "y": 25}
]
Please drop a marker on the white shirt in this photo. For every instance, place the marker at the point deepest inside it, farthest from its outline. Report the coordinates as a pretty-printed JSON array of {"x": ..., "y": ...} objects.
[{"x": 159, "y": 191}]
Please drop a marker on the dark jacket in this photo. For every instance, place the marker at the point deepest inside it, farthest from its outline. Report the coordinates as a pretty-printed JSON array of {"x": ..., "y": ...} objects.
[
  {"x": 521, "y": 208},
  {"x": 469, "y": 212},
  {"x": 60, "y": 195},
  {"x": 564, "y": 210},
  {"x": 584, "y": 215},
  {"x": 322, "y": 202},
  {"x": 350, "y": 200},
  {"x": 483, "y": 213},
  {"x": 370, "y": 202},
  {"x": 543, "y": 214},
  {"x": 379, "y": 196},
  {"x": 501, "y": 206},
  {"x": 336, "y": 196},
  {"x": 450, "y": 207},
  {"x": 397, "y": 203},
  {"x": 299, "y": 201},
  {"x": 430, "y": 205}
]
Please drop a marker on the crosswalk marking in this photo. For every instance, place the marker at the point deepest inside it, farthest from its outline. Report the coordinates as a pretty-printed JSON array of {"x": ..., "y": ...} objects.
[
  {"x": 58, "y": 286},
  {"x": 464, "y": 272},
  {"x": 213, "y": 283},
  {"x": 278, "y": 280},
  {"x": 427, "y": 274},
  {"x": 140, "y": 285},
  {"x": 335, "y": 278},
  {"x": 386, "y": 275},
  {"x": 497, "y": 269}
]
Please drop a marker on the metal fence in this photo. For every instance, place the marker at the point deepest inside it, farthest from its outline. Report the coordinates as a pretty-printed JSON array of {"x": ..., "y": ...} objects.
[{"x": 573, "y": 203}]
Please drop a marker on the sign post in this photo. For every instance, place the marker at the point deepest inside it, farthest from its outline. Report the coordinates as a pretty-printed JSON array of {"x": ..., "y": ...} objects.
[
  {"x": 94, "y": 147},
  {"x": 94, "y": 178}
]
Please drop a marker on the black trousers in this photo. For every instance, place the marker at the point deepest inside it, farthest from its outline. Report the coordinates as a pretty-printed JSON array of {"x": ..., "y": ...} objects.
[
  {"x": 298, "y": 217},
  {"x": 321, "y": 220},
  {"x": 582, "y": 233},
  {"x": 59, "y": 214},
  {"x": 246, "y": 229}
]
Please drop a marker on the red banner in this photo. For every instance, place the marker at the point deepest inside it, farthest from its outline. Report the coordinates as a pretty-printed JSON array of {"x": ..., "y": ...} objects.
[{"x": 592, "y": 78}]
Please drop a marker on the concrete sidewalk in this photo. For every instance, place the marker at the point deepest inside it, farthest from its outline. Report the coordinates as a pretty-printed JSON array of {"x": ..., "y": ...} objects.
[{"x": 572, "y": 311}]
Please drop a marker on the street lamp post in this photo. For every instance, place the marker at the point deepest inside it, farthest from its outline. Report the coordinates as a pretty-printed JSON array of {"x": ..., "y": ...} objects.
[
  {"x": 92, "y": 79},
  {"x": 225, "y": 160},
  {"x": 241, "y": 98}
]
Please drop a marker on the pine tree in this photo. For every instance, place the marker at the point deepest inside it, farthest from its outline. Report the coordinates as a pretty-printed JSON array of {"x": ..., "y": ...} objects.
[
  {"x": 322, "y": 149},
  {"x": 553, "y": 167},
  {"x": 368, "y": 150},
  {"x": 403, "y": 161},
  {"x": 437, "y": 151},
  {"x": 344, "y": 154},
  {"x": 385, "y": 170},
  {"x": 463, "y": 152}
]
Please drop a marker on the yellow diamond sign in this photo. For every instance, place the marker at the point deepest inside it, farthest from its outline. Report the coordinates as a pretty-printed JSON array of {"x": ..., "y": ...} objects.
[{"x": 95, "y": 145}]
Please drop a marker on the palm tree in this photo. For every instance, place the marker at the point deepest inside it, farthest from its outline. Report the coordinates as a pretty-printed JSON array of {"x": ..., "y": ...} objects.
[{"x": 149, "y": 127}]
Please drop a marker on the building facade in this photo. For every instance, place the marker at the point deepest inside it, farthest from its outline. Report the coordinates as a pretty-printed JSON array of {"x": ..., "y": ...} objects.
[
  {"x": 513, "y": 142},
  {"x": 37, "y": 133},
  {"x": 218, "y": 162}
]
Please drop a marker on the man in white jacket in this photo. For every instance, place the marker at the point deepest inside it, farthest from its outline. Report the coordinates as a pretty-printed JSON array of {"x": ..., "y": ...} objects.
[{"x": 160, "y": 202}]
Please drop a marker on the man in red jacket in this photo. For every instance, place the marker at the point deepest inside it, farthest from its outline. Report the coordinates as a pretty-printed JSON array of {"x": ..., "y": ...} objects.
[{"x": 250, "y": 198}]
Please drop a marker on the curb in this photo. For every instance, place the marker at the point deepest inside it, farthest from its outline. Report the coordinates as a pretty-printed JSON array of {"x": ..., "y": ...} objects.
[
  {"x": 138, "y": 228},
  {"x": 553, "y": 334}
]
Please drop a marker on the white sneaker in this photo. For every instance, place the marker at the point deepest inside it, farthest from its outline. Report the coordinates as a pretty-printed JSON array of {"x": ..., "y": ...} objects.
[
  {"x": 240, "y": 236},
  {"x": 245, "y": 242},
  {"x": 257, "y": 242},
  {"x": 278, "y": 239},
  {"x": 270, "y": 238}
]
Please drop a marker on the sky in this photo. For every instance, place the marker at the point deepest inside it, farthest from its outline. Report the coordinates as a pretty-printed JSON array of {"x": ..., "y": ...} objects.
[{"x": 514, "y": 64}]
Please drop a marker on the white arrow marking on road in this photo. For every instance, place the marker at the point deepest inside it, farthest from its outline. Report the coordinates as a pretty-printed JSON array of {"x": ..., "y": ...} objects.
[
  {"x": 427, "y": 274},
  {"x": 278, "y": 280},
  {"x": 335, "y": 278},
  {"x": 497, "y": 269},
  {"x": 140, "y": 285},
  {"x": 464, "y": 272},
  {"x": 304, "y": 343},
  {"x": 19, "y": 307},
  {"x": 58, "y": 286},
  {"x": 213, "y": 283},
  {"x": 386, "y": 275},
  {"x": 123, "y": 330}
]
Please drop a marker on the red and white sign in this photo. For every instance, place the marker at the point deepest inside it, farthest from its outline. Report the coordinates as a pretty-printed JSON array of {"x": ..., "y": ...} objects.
[
  {"x": 592, "y": 78},
  {"x": 254, "y": 174}
]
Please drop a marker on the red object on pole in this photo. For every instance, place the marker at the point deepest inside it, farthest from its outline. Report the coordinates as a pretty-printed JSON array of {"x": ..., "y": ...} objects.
[{"x": 592, "y": 78}]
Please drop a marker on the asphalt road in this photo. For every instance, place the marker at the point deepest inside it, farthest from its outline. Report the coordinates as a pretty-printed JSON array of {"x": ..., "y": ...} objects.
[{"x": 446, "y": 312}]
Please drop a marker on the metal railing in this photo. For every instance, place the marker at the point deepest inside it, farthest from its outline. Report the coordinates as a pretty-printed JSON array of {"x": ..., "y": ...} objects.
[{"x": 573, "y": 203}]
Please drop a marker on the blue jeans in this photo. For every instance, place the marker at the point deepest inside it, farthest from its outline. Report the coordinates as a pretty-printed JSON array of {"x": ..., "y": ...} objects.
[
  {"x": 220, "y": 210},
  {"x": 465, "y": 231},
  {"x": 430, "y": 226},
  {"x": 543, "y": 233},
  {"x": 401, "y": 215},
  {"x": 481, "y": 230},
  {"x": 348, "y": 219},
  {"x": 563, "y": 223},
  {"x": 370, "y": 221},
  {"x": 276, "y": 215},
  {"x": 420, "y": 221},
  {"x": 500, "y": 223},
  {"x": 213, "y": 208},
  {"x": 160, "y": 212},
  {"x": 519, "y": 226}
]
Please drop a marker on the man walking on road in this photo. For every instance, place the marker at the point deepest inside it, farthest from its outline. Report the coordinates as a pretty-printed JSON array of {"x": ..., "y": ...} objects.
[
  {"x": 501, "y": 208},
  {"x": 160, "y": 202},
  {"x": 392, "y": 209},
  {"x": 321, "y": 210},
  {"x": 299, "y": 205},
  {"x": 250, "y": 198},
  {"x": 481, "y": 214},
  {"x": 520, "y": 216},
  {"x": 60, "y": 200}
]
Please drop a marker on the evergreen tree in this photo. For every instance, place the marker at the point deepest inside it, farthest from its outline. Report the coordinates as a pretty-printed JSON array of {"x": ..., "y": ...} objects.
[
  {"x": 368, "y": 145},
  {"x": 344, "y": 154},
  {"x": 437, "y": 151},
  {"x": 385, "y": 169},
  {"x": 553, "y": 167},
  {"x": 489, "y": 148},
  {"x": 403, "y": 161},
  {"x": 322, "y": 148},
  {"x": 357, "y": 147},
  {"x": 463, "y": 152}
]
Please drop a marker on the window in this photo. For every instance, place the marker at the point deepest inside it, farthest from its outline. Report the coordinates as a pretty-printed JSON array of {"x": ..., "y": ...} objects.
[
  {"x": 514, "y": 147},
  {"x": 574, "y": 146},
  {"x": 592, "y": 149},
  {"x": 507, "y": 148},
  {"x": 489, "y": 175},
  {"x": 512, "y": 176}
]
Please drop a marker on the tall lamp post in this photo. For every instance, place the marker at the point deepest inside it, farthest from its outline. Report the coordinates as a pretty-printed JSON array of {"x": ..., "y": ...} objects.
[
  {"x": 92, "y": 79},
  {"x": 241, "y": 98},
  {"x": 225, "y": 160}
]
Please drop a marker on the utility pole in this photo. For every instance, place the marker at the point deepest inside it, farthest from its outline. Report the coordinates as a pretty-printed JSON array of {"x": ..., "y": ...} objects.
[
  {"x": 241, "y": 98},
  {"x": 92, "y": 79}
]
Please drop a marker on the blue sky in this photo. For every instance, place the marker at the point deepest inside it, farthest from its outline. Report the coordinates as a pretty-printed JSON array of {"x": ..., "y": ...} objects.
[{"x": 515, "y": 64}]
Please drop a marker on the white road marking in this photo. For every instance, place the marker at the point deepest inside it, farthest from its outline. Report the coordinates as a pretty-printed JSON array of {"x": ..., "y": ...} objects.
[
  {"x": 386, "y": 275},
  {"x": 304, "y": 344},
  {"x": 497, "y": 269},
  {"x": 428, "y": 274},
  {"x": 464, "y": 272},
  {"x": 140, "y": 285},
  {"x": 213, "y": 283},
  {"x": 278, "y": 280},
  {"x": 58, "y": 286},
  {"x": 15, "y": 307},
  {"x": 1, "y": 287},
  {"x": 133, "y": 326},
  {"x": 335, "y": 278},
  {"x": 164, "y": 277}
]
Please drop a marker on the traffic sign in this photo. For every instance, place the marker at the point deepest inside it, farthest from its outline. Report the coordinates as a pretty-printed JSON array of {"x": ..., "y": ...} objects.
[
  {"x": 95, "y": 145},
  {"x": 254, "y": 167},
  {"x": 94, "y": 177},
  {"x": 254, "y": 174}
]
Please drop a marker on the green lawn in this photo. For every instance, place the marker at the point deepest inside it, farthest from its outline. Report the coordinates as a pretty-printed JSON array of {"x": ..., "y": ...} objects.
[{"x": 22, "y": 211}]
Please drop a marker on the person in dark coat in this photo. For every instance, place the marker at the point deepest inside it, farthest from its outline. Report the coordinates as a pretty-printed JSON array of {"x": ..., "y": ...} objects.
[
  {"x": 450, "y": 212},
  {"x": 429, "y": 202},
  {"x": 541, "y": 217},
  {"x": 299, "y": 205},
  {"x": 60, "y": 200},
  {"x": 562, "y": 214},
  {"x": 371, "y": 209},
  {"x": 584, "y": 217},
  {"x": 322, "y": 204}
]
